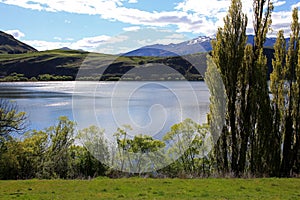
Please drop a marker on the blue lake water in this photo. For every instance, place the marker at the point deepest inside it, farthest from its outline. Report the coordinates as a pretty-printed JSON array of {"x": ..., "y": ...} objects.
[{"x": 148, "y": 107}]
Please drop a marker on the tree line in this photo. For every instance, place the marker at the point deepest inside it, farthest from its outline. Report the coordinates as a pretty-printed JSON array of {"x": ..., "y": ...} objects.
[
  {"x": 60, "y": 151},
  {"x": 260, "y": 122}
]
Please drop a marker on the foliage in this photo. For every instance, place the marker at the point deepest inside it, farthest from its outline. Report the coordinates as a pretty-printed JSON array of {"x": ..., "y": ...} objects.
[
  {"x": 11, "y": 121},
  {"x": 188, "y": 147},
  {"x": 216, "y": 116},
  {"x": 50, "y": 153},
  {"x": 61, "y": 139},
  {"x": 227, "y": 54},
  {"x": 97, "y": 149},
  {"x": 14, "y": 77},
  {"x": 286, "y": 93},
  {"x": 132, "y": 154},
  {"x": 261, "y": 132},
  {"x": 277, "y": 82},
  {"x": 48, "y": 77}
]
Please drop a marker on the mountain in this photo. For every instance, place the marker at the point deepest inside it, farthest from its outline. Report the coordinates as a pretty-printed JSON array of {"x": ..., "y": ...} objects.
[
  {"x": 10, "y": 45},
  {"x": 199, "y": 44},
  {"x": 270, "y": 41},
  {"x": 68, "y": 49},
  {"x": 65, "y": 49}
]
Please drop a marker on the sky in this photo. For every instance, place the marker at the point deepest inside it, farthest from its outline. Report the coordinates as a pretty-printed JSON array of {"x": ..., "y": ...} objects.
[{"x": 118, "y": 26}]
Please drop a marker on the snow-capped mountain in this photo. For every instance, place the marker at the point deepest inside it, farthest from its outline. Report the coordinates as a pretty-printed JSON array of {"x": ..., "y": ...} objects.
[
  {"x": 196, "y": 45},
  {"x": 199, "y": 44}
]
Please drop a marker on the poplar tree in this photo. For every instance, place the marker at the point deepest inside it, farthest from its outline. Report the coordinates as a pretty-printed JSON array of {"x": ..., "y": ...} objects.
[
  {"x": 277, "y": 80},
  {"x": 296, "y": 158},
  {"x": 216, "y": 117},
  {"x": 258, "y": 111},
  {"x": 244, "y": 106},
  {"x": 291, "y": 122},
  {"x": 228, "y": 53},
  {"x": 296, "y": 89}
]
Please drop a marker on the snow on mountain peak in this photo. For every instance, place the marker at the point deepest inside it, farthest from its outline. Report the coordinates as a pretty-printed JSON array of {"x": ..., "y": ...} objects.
[{"x": 198, "y": 40}]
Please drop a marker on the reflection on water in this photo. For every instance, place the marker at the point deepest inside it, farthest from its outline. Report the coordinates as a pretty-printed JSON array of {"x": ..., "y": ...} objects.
[{"x": 149, "y": 107}]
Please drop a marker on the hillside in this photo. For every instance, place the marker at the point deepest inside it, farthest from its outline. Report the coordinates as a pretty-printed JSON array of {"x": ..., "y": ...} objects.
[
  {"x": 141, "y": 64},
  {"x": 9, "y": 45},
  {"x": 94, "y": 65}
]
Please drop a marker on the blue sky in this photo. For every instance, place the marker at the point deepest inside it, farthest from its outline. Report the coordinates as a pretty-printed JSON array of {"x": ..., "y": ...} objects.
[{"x": 98, "y": 24}]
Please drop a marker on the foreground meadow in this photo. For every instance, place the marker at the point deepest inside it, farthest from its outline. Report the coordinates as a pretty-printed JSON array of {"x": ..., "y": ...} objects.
[{"x": 140, "y": 188}]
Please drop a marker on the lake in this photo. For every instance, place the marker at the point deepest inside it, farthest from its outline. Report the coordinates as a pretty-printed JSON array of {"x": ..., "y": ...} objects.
[{"x": 148, "y": 107}]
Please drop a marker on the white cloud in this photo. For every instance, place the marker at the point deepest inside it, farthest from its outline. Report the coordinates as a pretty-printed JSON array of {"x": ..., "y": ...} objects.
[
  {"x": 204, "y": 8},
  {"x": 122, "y": 43},
  {"x": 279, "y": 3},
  {"x": 88, "y": 44},
  {"x": 281, "y": 21},
  {"x": 131, "y": 40},
  {"x": 132, "y": 1},
  {"x": 214, "y": 12},
  {"x": 194, "y": 16},
  {"x": 115, "y": 11},
  {"x": 16, "y": 33},
  {"x": 132, "y": 28},
  {"x": 296, "y": 5},
  {"x": 45, "y": 45},
  {"x": 57, "y": 38}
]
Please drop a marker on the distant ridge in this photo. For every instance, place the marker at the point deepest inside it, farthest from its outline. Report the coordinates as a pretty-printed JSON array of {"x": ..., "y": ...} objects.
[
  {"x": 196, "y": 45},
  {"x": 65, "y": 49},
  {"x": 10, "y": 45}
]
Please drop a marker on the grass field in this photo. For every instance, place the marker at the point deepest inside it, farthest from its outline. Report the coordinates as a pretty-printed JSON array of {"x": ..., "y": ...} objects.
[{"x": 139, "y": 188}]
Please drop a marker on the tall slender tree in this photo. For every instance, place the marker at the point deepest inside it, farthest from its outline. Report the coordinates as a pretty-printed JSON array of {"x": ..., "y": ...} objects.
[
  {"x": 244, "y": 106},
  {"x": 290, "y": 120},
  {"x": 296, "y": 90},
  {"x": 216, "y": 117},
  {"x": 258, "y": 110},
  {"x": 296, "y": 158},
  {"x": 277, "y": 80},
  {"x": 228, "y": 53}
]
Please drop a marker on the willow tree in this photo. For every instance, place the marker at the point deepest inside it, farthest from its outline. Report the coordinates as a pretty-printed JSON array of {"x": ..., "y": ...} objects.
[
  {"x": 11, "y": 120},
  {"x": 228, "y": 53}
]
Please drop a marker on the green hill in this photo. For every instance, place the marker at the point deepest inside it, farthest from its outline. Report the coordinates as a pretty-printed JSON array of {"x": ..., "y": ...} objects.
[
  {"x": 94, "y": 65},
  {"x": 9, "y": 45}
]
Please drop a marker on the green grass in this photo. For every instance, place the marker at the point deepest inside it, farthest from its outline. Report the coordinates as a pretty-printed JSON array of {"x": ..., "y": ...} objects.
[{"x": 139, "y": 188}]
